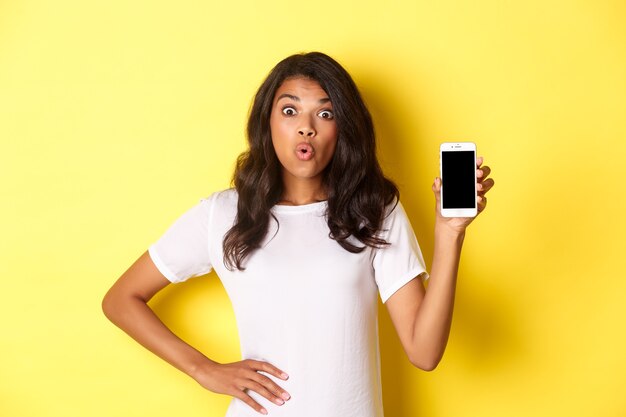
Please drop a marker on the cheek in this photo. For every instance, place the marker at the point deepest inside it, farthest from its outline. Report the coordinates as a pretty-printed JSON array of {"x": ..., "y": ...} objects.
[
  {"x": 280, "y": 143},
  {"x": 335, "y": 134},
  {"x": 331, "y": 130},
  {"x": 275, "y": 133}
]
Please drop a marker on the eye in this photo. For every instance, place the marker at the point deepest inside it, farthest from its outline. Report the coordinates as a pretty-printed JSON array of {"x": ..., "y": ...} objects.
[
  {"x": 326, "y": 114},
  {"x": 289, "y": 111}
]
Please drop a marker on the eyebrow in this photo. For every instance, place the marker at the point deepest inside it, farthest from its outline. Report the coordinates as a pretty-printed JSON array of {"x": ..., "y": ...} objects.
[{"x": 296, "y": 98}]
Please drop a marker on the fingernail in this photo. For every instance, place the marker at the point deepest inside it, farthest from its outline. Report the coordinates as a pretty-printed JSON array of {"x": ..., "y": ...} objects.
[
  {"x": 284, "y": 375},
  {"x": 279, "y": 401},
  {"x": 263, "y": 411}
]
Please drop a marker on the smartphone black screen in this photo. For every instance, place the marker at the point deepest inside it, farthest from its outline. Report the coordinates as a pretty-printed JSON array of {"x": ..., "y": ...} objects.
[{"x": 457, "y": 178}]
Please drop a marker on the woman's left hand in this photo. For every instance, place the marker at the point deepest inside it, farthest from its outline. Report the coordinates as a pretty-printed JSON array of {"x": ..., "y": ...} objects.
[{"x": 483, "y": 184}]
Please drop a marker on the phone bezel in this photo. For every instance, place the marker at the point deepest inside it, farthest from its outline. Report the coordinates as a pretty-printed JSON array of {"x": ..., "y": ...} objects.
[{"x": 457, "y": 147}]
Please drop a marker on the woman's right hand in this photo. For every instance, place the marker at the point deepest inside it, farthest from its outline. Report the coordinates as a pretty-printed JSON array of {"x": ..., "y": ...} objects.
[{"x": 235, "y": 378}]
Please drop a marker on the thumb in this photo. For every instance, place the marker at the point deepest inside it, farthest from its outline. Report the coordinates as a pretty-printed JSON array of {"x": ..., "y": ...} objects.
[{"x": 437, "y": 191}]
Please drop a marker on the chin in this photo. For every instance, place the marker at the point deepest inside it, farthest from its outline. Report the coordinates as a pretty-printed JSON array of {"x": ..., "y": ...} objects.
[{"x": 304, "y": 173}]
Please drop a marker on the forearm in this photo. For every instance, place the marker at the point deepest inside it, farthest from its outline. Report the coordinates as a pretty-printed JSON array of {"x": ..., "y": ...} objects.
[
  {"x": 136, "y": 318},
  {"x": 434, "y": 316}
]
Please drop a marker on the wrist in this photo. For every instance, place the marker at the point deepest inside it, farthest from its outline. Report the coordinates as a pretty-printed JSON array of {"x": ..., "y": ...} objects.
[
  {"x": 200, "y": 366},
  {"x": 445, "y": 230}
]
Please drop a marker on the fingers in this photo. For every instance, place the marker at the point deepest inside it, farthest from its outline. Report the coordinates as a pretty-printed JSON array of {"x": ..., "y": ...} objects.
[
  {"x": 248, "y": 400},
  {"x": 482, "y": 202},
  {"x": 437, "y": 190},
  {"x": 485, "y": 186},
  {"x": 483, "y": 172},
  {"x": 263, "y": 385},
  {"x": 271, "y": 390},
  {"x": 239, "y": 379},
  {"x": 437, "y": 185},
  {"x": 263, "y": 388},
  {"x": 268, "y": 368}
]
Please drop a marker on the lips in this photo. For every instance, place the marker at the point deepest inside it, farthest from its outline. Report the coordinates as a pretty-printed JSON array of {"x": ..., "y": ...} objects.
[{"x": 304, "y": 151}]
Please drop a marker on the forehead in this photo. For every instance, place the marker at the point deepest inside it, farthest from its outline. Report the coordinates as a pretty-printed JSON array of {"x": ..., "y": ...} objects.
[{"x": 301, "y": 87}]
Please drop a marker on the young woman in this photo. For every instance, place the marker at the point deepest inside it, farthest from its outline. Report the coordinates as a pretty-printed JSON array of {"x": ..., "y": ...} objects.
[{"x": 304, "y": 243}]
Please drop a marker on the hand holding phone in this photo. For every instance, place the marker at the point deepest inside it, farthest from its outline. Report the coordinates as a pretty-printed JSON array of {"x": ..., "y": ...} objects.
[{"x": 457, "y": 164}]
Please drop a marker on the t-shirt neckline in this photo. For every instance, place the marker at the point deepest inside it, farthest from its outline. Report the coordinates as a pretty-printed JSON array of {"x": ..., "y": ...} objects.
[{"x": 303, "y": 208}]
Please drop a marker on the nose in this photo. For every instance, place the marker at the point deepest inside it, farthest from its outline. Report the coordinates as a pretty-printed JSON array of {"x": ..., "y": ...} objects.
[{"x": 307, "y": 130}]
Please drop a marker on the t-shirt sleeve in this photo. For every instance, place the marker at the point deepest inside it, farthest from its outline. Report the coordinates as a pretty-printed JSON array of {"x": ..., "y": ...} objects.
[
  {"x": 398, "y": 263},
  {"x": 182, "y": 252}
]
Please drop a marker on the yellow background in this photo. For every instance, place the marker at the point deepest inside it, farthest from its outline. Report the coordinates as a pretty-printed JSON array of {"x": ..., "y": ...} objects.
[{"x": 116, "y": 117}]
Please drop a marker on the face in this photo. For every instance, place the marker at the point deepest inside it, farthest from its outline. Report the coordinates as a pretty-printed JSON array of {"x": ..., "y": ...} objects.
[{"x": 303, "y": 128}]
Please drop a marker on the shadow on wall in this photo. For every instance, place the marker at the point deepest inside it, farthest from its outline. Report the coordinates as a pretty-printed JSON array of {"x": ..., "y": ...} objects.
[
  {"x": 199, "y": 312},
  {"x": 484, "y": 329},
  {"x": 485, "y": 340}
]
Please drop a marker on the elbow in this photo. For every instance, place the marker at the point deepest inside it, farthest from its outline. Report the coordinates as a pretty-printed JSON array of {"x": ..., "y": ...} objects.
[
  {"x": 426, "y": 363},
  {"x": 427, "y": 366},
  {"x": 118, "y": 306},
  {"x": 106, "y": 306},
  {"x": 109, "y": 306}
]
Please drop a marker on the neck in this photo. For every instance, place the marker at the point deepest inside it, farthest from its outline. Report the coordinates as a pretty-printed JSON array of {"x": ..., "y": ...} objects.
[{"x": 299, "y": 192}]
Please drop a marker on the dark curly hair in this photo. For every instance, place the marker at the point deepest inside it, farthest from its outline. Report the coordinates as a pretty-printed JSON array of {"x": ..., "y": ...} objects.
[{"x": 357, "y": 190}]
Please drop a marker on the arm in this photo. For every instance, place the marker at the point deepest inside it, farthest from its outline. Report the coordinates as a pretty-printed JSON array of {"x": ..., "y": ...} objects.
[
  {"x": 423, "y": 318},
  {"x": 125, "y": 304}
]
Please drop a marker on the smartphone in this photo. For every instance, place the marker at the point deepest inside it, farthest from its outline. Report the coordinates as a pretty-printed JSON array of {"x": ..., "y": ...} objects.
[{"x": 457, "y": 164}]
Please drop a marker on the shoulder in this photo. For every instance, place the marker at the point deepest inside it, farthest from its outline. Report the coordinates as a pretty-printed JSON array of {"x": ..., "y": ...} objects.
[
  {"x": 219, "y": 198},
  {"x": 395, "y": 219},
  {"x": 222, "y": 203},
  {"x": 393, "y": 209}
]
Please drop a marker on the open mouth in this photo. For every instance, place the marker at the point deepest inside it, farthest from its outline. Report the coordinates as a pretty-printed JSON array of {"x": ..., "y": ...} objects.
[{"x": 304, "y": 151}]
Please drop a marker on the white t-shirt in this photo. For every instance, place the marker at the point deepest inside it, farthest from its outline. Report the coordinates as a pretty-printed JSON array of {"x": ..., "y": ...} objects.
[{"x": 303, "y": 303}]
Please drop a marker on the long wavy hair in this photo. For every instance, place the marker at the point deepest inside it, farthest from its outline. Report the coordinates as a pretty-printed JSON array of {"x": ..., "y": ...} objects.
[{"x": 357, "y": 190}]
